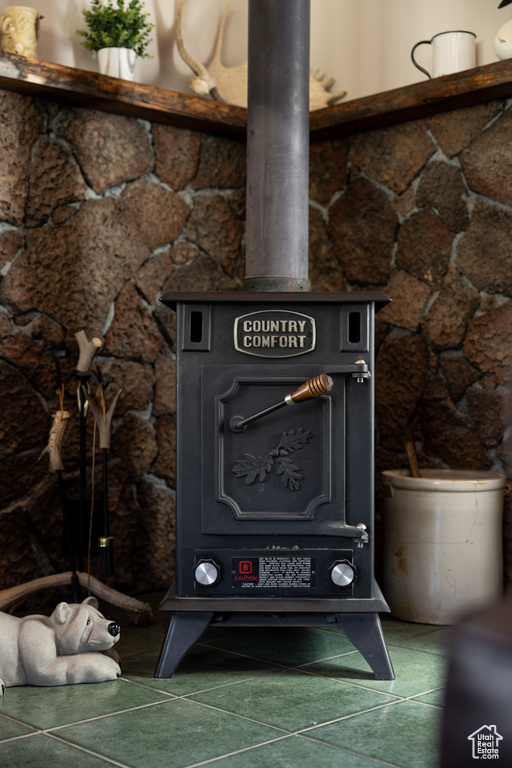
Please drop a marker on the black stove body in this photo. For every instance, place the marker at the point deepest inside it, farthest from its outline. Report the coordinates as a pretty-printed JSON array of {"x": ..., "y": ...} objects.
[{"x": 275, "y": 514}]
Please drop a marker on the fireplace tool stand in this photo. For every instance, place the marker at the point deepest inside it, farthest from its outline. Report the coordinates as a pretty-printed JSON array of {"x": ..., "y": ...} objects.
[
  {"x": 77, "y": 579},
  {"x": 275, "y": 401}
]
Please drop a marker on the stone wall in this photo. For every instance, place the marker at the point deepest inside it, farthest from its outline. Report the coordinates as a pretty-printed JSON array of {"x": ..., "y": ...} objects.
[{"x": 100, "y": 214}]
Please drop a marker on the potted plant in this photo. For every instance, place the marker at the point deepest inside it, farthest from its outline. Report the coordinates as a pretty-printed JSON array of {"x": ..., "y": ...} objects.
[{"x": 119, "y": 31}]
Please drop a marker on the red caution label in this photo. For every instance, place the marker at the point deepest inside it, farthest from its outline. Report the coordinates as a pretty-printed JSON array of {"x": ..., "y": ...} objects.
[{"x": 271, "y": 573}]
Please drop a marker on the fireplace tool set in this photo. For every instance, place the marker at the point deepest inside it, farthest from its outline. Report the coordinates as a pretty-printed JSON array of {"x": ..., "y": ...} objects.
[
  {"x": 86, "y": 530},
  {"x": 85, "y": 518},
  {"x": 275, "y": 402}
]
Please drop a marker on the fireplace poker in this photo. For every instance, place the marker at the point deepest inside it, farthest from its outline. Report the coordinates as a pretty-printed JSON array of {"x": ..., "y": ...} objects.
[
  {"x": 87, "y": 350},
  {"x": 104, "y": 422}
]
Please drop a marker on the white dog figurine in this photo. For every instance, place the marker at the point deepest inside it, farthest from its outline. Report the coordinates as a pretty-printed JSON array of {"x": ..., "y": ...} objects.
[{"x": 59, "y": 649}]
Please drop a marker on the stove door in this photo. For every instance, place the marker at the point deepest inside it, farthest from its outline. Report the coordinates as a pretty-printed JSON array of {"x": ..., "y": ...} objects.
[{"x": 284, "y": 469}]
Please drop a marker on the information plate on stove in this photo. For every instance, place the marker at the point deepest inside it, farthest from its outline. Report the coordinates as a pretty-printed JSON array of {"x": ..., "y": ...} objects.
[{"x": 271, "y": 573}]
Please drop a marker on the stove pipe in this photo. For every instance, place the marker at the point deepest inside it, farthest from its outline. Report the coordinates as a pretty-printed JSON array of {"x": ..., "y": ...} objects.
[{"x": 278, "y": 146}]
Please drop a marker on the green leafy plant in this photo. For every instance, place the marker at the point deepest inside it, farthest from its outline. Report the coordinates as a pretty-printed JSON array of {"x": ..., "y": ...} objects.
[{"x": 114, "y": 24}]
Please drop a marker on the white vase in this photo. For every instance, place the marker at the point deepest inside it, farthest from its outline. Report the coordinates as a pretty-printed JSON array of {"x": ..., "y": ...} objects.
[
  {"x": 117, "y": 62},
  {"x": 503, "y": 41}
]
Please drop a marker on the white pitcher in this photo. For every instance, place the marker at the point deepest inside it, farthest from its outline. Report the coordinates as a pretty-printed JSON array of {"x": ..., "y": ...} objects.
[{"x": 452, "y": 51}]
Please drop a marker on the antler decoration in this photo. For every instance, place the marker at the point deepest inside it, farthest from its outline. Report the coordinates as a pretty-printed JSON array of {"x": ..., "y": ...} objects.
[
  {"x": 87, "y": 350},
  {"x": 229, "y": 84},
  {"x": 53, "y": 449},
  {"x": 103, "y": 418},
  {"x": 204, "y": 83}
]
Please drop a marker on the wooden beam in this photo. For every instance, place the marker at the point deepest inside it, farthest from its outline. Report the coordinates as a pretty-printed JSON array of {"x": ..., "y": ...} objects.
[
  {"x": 95, "y": 91},
  {"x": 441, "y": 94}
]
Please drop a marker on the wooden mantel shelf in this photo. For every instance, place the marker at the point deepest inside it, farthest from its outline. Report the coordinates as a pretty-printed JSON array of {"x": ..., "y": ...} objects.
[{"x": 89, "y": 89}]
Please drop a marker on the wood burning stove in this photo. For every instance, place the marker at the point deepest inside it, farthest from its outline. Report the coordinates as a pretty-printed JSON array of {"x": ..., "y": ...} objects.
[
  {"x": 275, "y": 513},
  {"x": 275, "y": 403}
]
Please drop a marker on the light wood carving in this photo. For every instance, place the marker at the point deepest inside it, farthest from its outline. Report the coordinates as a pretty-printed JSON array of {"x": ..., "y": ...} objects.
[{"x": 229, "y": 84}]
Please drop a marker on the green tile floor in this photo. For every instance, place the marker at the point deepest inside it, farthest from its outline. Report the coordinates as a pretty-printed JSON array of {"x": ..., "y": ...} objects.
[{"x": 242, "y": 698}]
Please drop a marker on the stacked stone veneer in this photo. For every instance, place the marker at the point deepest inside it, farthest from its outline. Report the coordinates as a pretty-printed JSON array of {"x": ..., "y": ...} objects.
[{"x": 100, "y": 214}]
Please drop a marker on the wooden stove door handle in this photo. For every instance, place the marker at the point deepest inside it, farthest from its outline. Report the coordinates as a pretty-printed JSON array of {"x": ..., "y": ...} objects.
[
  {"x": 315, "y": 387},
  {"x": 320, "y": 385}
]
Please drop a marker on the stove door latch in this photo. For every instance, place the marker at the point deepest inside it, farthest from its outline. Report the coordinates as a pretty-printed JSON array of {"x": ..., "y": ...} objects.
[
  {"x": 362, "y": 538},
  {"x": 362, "y": 371}
]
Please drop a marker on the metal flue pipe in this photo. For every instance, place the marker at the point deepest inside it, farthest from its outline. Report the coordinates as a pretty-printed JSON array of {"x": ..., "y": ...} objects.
[{"x": 278, "y": 146}]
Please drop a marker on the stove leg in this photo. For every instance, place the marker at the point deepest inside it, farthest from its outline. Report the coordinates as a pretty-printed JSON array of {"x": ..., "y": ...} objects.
[
  {"x": 184, "y": 630},
  {"x": 365, "y": 633}
]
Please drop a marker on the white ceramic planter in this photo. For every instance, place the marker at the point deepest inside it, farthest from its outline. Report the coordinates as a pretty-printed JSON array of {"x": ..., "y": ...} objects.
[
  {"x": 117, "y": 62},
  {"x": 443, "y": 543}
]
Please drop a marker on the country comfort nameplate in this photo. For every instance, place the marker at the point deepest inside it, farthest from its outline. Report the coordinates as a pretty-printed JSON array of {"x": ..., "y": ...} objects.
[{"x": 275, "y": 333}]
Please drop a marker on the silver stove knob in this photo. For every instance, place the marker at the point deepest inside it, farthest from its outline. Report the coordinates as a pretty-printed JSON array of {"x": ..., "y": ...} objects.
[
  {"x": 343, "y": 574},
  {"x": 207, "y": 573}
]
